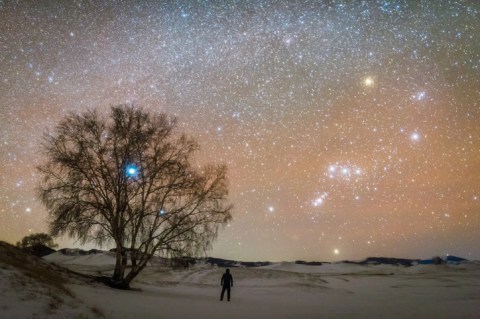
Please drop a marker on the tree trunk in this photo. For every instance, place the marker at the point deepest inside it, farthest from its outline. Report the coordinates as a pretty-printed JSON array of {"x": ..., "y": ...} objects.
[
  {"x": 134, "y": 272},
  {"x": 118, "y": 279},
  {"x": 120, "y": 264}
]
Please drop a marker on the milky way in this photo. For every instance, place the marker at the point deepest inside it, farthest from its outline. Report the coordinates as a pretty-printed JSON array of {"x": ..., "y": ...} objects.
[{"x": 350, "y": 128}]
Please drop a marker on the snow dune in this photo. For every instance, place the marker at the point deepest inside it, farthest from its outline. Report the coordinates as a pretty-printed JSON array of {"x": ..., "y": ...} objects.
[
  {"x": 282, "y": 290},
  {"x": 370, "y": 292}
]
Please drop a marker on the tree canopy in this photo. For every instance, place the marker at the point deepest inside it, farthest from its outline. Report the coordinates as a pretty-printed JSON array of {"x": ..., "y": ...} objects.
[
  {"x": 127, "y": 179},
  {"x": 37, "y": 239}
]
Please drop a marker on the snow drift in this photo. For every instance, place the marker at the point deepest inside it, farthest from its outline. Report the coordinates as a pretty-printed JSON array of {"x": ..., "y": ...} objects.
[{"x": 274, "y": 290}]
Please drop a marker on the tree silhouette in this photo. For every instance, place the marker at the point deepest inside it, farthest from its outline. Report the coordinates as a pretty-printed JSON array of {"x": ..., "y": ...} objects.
[
  {"x": 127, "y": 180},
  {"x": 37, "y": 240}
]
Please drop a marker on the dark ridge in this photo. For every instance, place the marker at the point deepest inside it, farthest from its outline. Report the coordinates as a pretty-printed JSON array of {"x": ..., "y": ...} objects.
[
  {"x": 390, "y": 261},
  {"x": 72, "y": 252},
  {"x": 39, "y": 250},
  {"x": 384, "y": 261},
  {"x": 233, "y": 263},
  {"x": 309, "y": 263},
  {"x": 224, "y": 263},
  {"x": 438, "y": 261},
  {"x": 455, "y": 259},
  {"x": 79, "y": 252}
]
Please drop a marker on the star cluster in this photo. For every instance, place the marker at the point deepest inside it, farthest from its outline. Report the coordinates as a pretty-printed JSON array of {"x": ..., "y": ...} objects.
[{"x": 350, "y": 128}]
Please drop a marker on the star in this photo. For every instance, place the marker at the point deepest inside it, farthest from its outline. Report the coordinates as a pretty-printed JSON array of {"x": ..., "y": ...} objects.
[
  {"x": 320, "y": 200},
  {"x": 349, "y": 118},
  {"x": 368, "y": 81},
  {"x": 132, "y": 170},
  {"x": 415, "y": 137},
  {"x": 419, "y": 96}
]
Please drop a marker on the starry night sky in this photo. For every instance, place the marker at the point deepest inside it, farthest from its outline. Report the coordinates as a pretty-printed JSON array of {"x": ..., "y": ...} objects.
[{"x": 350, "y": 128}]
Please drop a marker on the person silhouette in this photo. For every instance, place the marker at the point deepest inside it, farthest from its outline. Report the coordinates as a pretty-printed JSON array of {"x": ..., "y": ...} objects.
[{"x": 227, "y": 284}]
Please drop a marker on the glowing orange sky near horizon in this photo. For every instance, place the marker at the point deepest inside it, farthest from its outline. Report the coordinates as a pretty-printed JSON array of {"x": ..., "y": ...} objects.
[{"x": 349, "y": 129}]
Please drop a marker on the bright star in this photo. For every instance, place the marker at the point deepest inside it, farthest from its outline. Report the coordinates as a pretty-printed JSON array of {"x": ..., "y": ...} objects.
[
  {"x": 132, "y": 170},
  {"x": 343, "y": 171},
  {"x": 320, "y": 199},
  {"x": 368, "y": 81},
  {"x": 420, "y": 96},
  {"x": 415, "y": 136}
]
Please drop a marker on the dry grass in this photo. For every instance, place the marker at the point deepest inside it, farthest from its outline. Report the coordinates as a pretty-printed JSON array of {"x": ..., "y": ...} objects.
[
  {"x": 32, "y": 278},
  {"x": 31, "y": 266}
]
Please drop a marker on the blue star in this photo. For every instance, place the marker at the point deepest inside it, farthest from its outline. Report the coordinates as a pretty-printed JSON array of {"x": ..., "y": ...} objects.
[{"x": 132, "y": 170}]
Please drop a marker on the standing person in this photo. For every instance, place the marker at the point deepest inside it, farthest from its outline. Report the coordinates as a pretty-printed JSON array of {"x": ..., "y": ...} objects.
[{"x": 226, "y": 283}]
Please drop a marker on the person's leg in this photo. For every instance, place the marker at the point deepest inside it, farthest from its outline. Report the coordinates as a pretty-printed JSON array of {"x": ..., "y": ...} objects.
[
  {"x": 223, "y": 292},
  {"x": 228, "y": 293}
]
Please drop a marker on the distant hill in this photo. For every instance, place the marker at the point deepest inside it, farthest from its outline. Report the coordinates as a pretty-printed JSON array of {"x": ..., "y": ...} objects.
[
  {"x": 449, "y": 260},
  {"x": 390, "y": 261},
  {"x": 409, "y": 262},
  {"x": 232, "y": 263},
  {"x": 39, "y": 250},
  {"x": 310, "y": 263},
  {"x": 455, "y": 259},
  {"x": 219, "y": 262},
  {"x": 79, "y": 252},
  {"x": 226, "y": 263},
  {"x": 178, "y": 261}
]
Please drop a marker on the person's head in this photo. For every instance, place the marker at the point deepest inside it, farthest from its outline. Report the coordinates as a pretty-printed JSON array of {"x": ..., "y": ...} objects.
[{"x": 228, "y": 271}]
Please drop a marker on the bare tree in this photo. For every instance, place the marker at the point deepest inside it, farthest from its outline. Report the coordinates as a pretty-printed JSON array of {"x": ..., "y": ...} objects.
[{"x": 127, "y": 179}]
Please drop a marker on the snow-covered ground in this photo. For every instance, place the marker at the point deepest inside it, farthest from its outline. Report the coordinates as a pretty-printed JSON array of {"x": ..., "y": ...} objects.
[{"x": 283, "y": 290}]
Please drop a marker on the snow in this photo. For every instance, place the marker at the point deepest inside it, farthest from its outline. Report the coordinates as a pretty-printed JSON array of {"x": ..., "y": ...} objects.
[
  {"x": 30, "y": 288},
  {"x": 282, "y": 290},
  {"x": 105, "y": 258},
  {"x": 298, "y": 291}
]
